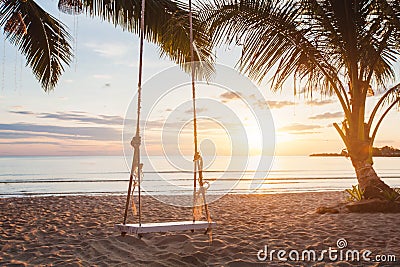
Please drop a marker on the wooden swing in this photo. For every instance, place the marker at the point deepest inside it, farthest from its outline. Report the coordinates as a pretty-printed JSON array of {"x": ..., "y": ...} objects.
[{"x": 136, "y": 173}]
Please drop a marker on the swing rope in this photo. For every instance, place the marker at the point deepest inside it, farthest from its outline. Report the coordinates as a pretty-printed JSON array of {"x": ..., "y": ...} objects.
[
  {"x": 136, "y": 173},
  {"x": 197, "y": 159},
  {"x": 136, "y": 169}
]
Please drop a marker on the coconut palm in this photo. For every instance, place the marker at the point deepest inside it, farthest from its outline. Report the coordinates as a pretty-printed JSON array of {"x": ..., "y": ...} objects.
[
  {"x": 45, "y": 41},
  {"x": 39, "y": 36},
  {"x": 337, "y": 47}
]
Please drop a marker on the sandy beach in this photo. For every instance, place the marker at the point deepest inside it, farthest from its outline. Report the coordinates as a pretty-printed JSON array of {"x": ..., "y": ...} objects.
[{"x": 78, "y": 231}]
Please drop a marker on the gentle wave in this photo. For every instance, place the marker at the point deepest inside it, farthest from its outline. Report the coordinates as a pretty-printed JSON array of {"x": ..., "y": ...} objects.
[
  {"x": 179, "y": 171},
  {"x": 158, "y": 193},
  {"x": 45, "y": 176},
  {"x": 55, "y": 180}
]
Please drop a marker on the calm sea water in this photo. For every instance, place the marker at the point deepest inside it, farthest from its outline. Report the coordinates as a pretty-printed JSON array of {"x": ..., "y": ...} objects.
[{"x": 27, "y": 176}]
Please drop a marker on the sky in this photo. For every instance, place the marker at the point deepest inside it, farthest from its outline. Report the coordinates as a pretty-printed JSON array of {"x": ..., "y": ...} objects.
[{"x": 85, "y": 113}]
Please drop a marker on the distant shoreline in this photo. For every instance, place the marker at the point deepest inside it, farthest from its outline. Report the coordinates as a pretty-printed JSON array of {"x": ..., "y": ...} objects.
[
  {"x": 340, "y": 155},
  {"x": 386, "y": 151}
]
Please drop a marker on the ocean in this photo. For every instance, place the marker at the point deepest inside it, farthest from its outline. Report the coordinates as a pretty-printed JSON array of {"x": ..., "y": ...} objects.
[{"x": 97, "y": 175}]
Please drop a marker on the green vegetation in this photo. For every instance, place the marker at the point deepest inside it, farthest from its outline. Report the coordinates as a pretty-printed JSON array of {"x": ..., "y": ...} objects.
[
  {"x": 354, "y": 194},
  {"x": 392, "y": 196}
]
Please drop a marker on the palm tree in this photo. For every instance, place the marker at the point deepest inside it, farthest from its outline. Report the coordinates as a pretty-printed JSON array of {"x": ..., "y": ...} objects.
[
  {"x": 45, "y": 41},
  {"x": 337, "y": 47}
]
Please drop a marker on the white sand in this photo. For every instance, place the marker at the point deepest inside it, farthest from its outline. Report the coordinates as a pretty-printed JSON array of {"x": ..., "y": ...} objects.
[{"x": 78, "y": 231}]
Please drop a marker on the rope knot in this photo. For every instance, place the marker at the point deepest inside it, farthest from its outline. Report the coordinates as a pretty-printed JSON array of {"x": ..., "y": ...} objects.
[
  {"x": 196, "y": 156},
  {"x": 205, "y": 186},
  {"x": 136, "y": 141}
]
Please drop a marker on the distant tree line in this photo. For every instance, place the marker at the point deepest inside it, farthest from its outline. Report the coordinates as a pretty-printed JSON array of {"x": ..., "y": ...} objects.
[{"x": 385, "y": 151}]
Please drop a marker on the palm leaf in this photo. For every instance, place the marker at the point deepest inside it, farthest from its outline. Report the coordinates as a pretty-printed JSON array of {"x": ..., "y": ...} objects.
[
  {"x": 271, "y": 37},
  {"x": 166, "y": 24},
  {"x": 45, "y": 44},
  {"x": 309, "y": 38}
]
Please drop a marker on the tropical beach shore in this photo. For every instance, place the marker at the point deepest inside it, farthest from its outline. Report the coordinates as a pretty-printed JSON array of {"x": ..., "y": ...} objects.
[{"x": 78, "y": 231}]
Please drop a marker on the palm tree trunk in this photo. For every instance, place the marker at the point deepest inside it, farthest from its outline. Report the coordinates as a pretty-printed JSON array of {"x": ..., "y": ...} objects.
[
  {"x": 369, "y": 181},
  {"x": 360, "y": 146}
]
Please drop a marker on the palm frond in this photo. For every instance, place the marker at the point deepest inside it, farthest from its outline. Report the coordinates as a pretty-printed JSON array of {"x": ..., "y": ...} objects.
[
  {"x": 275, "y": 38},
  {"x": 45, "y": 44},
  {"x": 271, "y": 37},
  {"x": 175, "y": 44},
  {"x": 388, "y": 98},
  {"x": 311, "y": 39},
  {"x": 166, "y": 24}
]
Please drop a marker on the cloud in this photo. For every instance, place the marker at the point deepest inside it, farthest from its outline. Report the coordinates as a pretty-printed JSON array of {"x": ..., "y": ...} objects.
[
  {"x": 198, "y": 110},
  {"x": 229, "y": 96},
  {"x": 327, "y": 115},
  {"x": 109, "y": 50},
  {"x": 279, "y": 104},
  {"x": 17, "y": 107},
  {"x": 30, "y": 143},
  {"x": 261, "y": 103},
  {"x": 174, "y": 128},
  {"x": 101, "y": 119},
  {"x": 22, "y": 112},
  {"x": 26, "y": 130},
  {"x": 160, "y": 125},
  {"x": 299, "y": 127},
  {"x": 320, "y": 102},
  {"x": 76, "y": 116},
  {"x": 22, "y": 135},
  {"x": 102, "y": 76},
  {"x": 305, "y": 132}
]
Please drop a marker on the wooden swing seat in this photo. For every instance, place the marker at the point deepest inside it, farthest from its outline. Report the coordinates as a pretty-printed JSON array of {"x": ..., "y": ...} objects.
[{"x": 163, "y": 227}]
